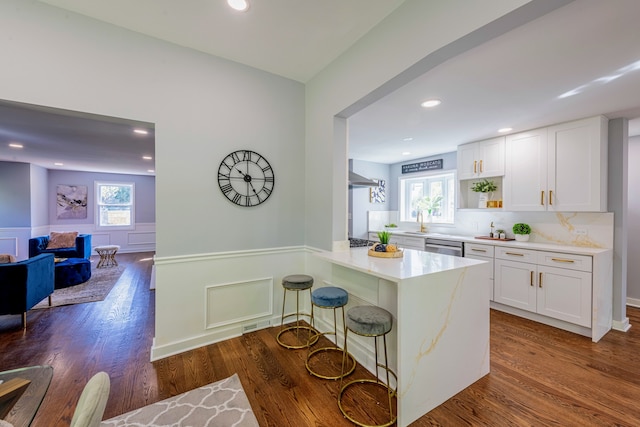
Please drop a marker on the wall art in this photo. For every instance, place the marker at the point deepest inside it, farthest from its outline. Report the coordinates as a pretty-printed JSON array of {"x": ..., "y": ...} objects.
[
  {"x": 377, "y": 194},
  {"x": 71, "y": 201}
]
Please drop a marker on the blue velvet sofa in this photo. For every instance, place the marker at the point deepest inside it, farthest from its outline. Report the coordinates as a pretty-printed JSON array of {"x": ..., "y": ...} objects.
[
  {"x": 38, "y": 245},
  {"x": 25, "y": 283}
]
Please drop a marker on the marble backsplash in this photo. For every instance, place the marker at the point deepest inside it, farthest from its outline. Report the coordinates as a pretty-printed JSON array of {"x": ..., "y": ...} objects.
[{"x": 584, "y": 229}]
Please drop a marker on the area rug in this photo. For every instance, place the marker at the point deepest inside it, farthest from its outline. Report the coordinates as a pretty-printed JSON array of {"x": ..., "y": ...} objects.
[
  {"x": 220, "y": 404},
  {"x": 95, "y": 289}
]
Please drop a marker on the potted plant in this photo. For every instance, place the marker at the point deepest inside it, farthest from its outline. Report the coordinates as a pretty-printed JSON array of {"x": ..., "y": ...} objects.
[
  {"x": 485, "y": 186},
  {"x": 521, "y": 231}
]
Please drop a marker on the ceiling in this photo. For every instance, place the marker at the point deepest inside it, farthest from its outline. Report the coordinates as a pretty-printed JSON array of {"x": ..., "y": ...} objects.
[{"x": 513, "y": 80}]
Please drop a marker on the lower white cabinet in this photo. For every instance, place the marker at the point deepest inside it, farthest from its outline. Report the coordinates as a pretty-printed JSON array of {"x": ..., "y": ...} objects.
[
  {"x": 482, "y": 253},
  {"x": 548, "y": 283}
]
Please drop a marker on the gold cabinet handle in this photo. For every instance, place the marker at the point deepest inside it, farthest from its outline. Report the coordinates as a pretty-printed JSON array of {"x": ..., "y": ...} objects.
[
  {"x": 562, "y": 260},
  {"x": 550, "y": 197},
  {"x": 540, "y": 280},
  {"x": 475, "y": 166},
  {"x": 532, "y": 278},
  {"x": 542, "y": 197},
  {"x": 513, "y": 253},
  {"x": 481, "y": 166},
  {"x": 478, "y": 250}
]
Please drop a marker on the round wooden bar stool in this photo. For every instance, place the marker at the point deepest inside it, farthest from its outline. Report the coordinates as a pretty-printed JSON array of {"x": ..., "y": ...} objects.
[
  {"x": 329, "y": 297},
  {"x": 296, "y": 283},
  {"x": 370, "y": 321}
]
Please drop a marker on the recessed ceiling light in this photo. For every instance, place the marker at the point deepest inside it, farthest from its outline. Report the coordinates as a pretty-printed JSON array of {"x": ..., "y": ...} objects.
[
  {"x": 503, "y": 130},
  {"x": 58, "y": 164},
  {"x": 431, "y": 103},
  {"x": 405, "y": 153},
  {"x": 147, "y": 157},
  {"x": 141, "y": 131},
  {"x": 407, "y": 139},
  {"x": 239, "y": 5},
  {"x": 15, "y": 145}
]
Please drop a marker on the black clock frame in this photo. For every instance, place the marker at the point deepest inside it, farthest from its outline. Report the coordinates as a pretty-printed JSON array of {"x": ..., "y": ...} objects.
[{"x": 246, "y": 178}]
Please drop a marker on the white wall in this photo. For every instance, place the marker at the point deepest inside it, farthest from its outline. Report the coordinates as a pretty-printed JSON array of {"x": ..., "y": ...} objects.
[
  {"x": 633, "y": 248},
  {"x": 203, "y": 108}
]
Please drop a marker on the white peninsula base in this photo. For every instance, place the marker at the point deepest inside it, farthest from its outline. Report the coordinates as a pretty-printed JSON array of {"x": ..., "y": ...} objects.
[{"x": 440, "y": 341}]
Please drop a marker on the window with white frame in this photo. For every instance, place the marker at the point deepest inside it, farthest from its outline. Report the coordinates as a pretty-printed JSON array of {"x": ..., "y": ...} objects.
[
  {"x": 115, "y": 205},
  {"x": 433, "y": 192}
]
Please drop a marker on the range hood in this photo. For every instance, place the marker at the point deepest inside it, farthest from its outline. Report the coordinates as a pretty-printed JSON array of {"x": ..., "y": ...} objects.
[{"x": 356, "y": 180}]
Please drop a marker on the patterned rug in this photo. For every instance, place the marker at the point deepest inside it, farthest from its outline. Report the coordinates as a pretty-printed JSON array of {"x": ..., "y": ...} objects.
[
  {"x": 95, "y": 289},
  {"x": 220, "y": 404}
]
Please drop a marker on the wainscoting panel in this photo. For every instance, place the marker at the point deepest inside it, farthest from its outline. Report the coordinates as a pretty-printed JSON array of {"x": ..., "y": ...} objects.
[
  {"x": 9, "y": 245},
  {"x": 229, "y": 303},
  {"x": 141, "y": 238}
]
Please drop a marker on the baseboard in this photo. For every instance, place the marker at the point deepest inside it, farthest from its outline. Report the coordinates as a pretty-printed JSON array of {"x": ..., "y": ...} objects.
[
  {"x": 622, "y": 326},
  {"x": 633, "y": 302}
]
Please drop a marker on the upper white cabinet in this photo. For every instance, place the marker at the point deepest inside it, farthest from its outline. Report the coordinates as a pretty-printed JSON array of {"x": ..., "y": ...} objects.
[
  {"x": 481, "y": 159},
  {"x": 559, "y": 168}
]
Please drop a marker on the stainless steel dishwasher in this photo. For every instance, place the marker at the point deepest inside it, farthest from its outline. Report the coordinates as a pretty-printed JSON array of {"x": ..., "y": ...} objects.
[{"x": 444, "y": 246}]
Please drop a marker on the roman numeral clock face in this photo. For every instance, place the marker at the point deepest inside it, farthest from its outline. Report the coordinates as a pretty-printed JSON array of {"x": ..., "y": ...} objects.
[{"x": 245, "y": 178}]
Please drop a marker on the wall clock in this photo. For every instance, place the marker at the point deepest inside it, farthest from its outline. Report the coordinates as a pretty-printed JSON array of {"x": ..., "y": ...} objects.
[{"x": 246, "y": 178}]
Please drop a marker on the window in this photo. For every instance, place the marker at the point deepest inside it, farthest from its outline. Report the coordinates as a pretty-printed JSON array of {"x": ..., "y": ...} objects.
[
  {"x": 115, "y": 205},
  {"x": 435, "y": 191}
]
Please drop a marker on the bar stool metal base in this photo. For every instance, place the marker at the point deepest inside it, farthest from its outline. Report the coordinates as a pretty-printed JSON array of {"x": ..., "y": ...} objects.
[
  {"x": 315, "y": 373},
  {"x": 313, "y": 337},
  {"x": 391, "y": 393}
]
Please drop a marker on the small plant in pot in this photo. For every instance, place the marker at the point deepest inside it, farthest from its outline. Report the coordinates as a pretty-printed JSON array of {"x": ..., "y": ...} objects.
[
  {"x": 384, "y": 240},
  {"x": 485, "y": 186},
  {"x": 521, "y": 231}
]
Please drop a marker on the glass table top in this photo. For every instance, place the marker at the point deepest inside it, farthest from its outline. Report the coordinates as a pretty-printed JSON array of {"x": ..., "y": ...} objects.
[{"x": 24, "y": 410}]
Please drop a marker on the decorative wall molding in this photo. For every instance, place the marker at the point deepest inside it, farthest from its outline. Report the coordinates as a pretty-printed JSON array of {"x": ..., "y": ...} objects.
[{"x": 253, "y": 301}]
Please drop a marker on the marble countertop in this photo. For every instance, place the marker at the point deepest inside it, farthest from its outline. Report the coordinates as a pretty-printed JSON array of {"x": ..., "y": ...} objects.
[
  {"x": 579, "y": 250},
  {"x": 413, "y": 264}
]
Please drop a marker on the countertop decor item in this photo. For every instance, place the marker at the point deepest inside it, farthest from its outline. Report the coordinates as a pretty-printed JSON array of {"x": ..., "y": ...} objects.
[
  {"x": 246, "y": 178},
  {"x": 387, "y": 251},
  {"x": 521, "y": 231}
]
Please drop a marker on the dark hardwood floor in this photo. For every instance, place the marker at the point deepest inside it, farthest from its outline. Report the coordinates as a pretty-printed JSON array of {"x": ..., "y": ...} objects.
[{"x": 540, "y": 376}]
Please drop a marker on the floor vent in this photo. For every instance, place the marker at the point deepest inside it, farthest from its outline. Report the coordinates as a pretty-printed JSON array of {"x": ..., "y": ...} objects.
[{"x": 255, "y": 326}]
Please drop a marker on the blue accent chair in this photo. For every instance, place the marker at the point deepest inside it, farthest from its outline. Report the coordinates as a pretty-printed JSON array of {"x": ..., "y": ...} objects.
[
  {"x": 38, "y": 245},
  {"x": 25, "y": 283}
]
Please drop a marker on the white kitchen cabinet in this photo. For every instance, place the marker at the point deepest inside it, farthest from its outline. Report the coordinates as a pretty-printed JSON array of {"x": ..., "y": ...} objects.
[
  {"x": 559, "y": 168},
  {"x": 551, "y": 284},
  {"x": 481, "y": 159},
  {"x": 482, "y": 253}
]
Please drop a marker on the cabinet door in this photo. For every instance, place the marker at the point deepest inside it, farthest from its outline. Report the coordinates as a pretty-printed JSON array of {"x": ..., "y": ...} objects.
[
  {"x": 467, "y": 161},
  {"x": 491, "y": 157},
  {"x": 577, "y": 166},
  {"x": 565, "y": 294},
  {"x": 525, "y": 180},
  {"x": 514, "y": 284}
]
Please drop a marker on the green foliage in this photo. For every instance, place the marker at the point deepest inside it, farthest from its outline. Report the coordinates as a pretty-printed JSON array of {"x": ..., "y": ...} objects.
[
  {"x": 521, "y": 228},
  {"x": 484, "y": 186},
  {"x": 392, "y": 225},
  {"x": 384, "y": 237},
  {"x": 428, "y": 204}
]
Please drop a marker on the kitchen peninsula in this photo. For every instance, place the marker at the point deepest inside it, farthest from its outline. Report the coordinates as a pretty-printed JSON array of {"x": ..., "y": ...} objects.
[{"x": 439, "y": 344}]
